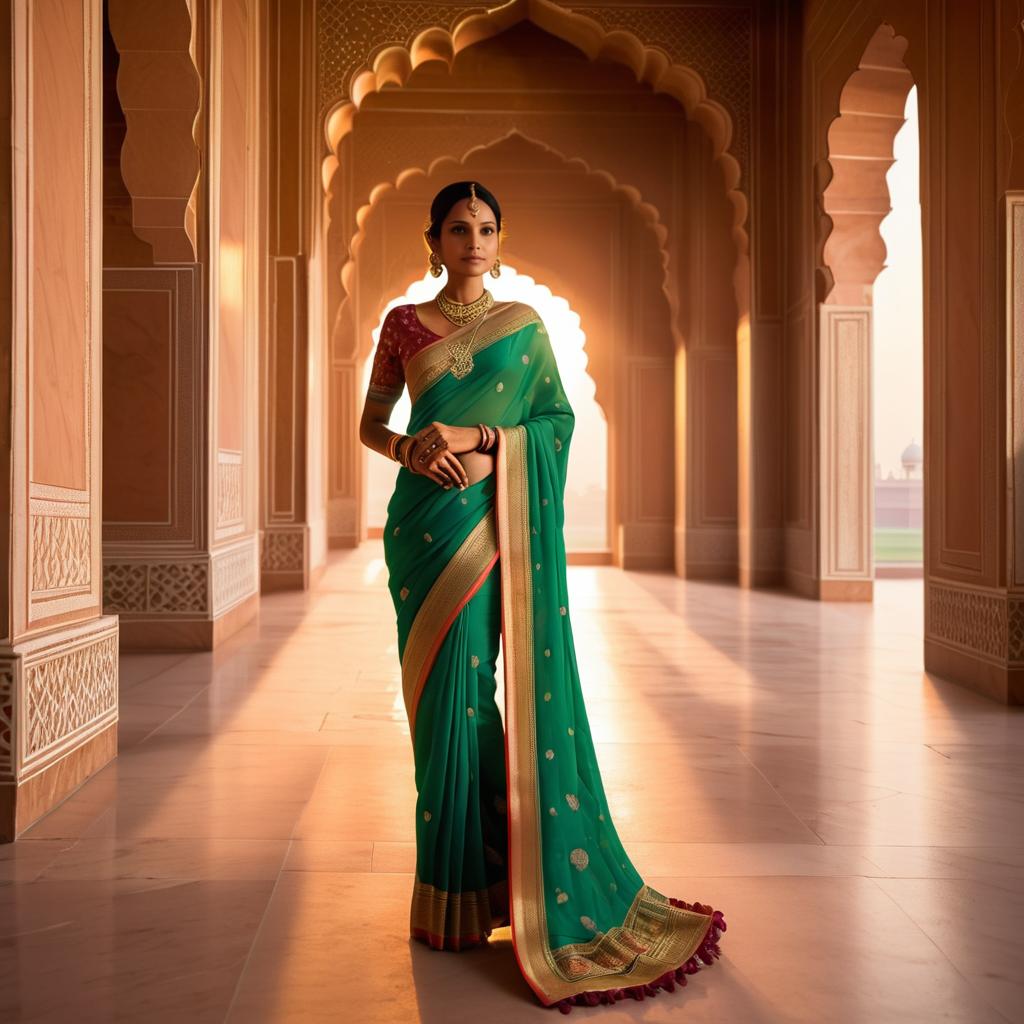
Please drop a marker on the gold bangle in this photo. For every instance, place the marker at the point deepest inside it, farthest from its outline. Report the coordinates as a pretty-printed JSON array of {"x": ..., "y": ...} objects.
[
  {"x": 394, "y": 441},
  {"x": 402, "y": 450}
]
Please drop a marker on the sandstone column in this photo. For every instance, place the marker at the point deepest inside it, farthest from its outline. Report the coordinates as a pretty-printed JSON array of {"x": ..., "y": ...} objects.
[
  {"x": 293, "y": 545},
  {"x": 182, "y": 316},
  {"x": 58, "y": 651}
]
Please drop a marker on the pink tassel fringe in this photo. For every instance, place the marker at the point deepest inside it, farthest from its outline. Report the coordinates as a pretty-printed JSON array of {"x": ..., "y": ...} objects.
[{"x": 707, "y": 951}]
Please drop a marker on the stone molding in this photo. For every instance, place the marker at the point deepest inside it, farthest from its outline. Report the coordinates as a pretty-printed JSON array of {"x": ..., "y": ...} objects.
[
  {"x": 284, "y": 549},
  {"x": 203, "y": 586},
  {"x": 56, "y": 692}
]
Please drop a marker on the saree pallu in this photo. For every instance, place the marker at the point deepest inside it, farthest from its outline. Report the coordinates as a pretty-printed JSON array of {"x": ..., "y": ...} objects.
[{"x": 512, "y": 825}]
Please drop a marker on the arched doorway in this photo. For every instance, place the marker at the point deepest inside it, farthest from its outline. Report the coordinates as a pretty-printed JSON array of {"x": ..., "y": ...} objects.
[
  {"x": 632, "y": 364},
  {"x": 662, "y": 262},
  {"x": 855, "y": 200}
]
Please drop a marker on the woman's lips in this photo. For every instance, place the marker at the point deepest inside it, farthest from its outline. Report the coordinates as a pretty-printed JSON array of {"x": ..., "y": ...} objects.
[{"x": 474, "y": 259}]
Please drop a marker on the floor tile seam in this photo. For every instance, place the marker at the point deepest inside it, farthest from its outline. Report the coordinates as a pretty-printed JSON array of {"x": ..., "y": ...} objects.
[
  {"x": 180, "y": 711},
  {"x": 46, "y": 864},
  {"x": 942, "y": 953},
  {"x": 53, "y": 860},
  {"x": 263, "y": 918},
  {"x": 785, "y": 803},
  {"x": 156, "y": 675},
  {"x": 252, "y": 945}
]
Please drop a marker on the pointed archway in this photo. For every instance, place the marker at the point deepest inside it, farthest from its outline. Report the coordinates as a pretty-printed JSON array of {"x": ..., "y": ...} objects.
[{"x": 854, "y": 202}]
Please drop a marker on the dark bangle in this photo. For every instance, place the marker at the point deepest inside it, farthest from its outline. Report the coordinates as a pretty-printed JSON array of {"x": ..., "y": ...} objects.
[{"x": 487, "y": 438}]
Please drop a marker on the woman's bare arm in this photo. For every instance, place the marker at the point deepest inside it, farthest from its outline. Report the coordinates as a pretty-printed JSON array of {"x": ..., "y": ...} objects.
[{"x": 373, "y": 425}]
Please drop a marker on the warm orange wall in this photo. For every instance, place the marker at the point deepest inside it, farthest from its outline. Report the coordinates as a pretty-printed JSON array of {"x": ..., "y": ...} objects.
[
  {"x": 138, "y": 378},
  {"x": 234, "y": 196},
  {"x": 6, "y": 312},
  {"x": 58, "y": 283}
]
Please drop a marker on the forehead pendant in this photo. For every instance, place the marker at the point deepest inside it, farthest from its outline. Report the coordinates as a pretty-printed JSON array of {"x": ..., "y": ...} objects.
[{"x": 473, "y": 206}]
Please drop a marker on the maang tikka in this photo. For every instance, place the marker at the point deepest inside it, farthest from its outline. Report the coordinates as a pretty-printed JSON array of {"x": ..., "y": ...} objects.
[{"x": 473, "y": 206}]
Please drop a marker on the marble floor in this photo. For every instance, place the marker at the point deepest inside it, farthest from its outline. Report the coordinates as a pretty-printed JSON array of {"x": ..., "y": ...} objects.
[{"x": 248, "y": 856}]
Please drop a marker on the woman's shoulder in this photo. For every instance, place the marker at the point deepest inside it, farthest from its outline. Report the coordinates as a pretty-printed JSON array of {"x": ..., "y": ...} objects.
[
  {"x": 402, "y": 321},
  {"x": 519, "y": 309},
  {"x": 401, "y": 313}
]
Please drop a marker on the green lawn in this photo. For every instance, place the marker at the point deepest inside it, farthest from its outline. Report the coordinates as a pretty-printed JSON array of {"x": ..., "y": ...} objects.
[{"x": 895, "y": 544}]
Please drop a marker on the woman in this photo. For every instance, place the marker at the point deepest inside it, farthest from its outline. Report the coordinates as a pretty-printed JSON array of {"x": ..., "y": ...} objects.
[{"x": 474, "y": 549}]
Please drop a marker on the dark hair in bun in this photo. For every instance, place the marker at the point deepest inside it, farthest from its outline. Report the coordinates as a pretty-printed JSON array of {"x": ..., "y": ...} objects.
[{"x": 450, "y": 195}]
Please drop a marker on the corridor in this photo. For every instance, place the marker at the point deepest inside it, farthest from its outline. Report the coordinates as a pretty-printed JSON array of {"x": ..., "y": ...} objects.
[{"x": 248, "y": 856}]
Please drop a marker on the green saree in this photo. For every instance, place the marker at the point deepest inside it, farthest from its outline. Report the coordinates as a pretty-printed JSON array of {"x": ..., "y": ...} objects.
[{"x": 512, "y": 825}]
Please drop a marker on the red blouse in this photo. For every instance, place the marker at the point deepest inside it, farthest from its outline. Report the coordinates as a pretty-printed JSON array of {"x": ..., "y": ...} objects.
[{"x": 401, "y": 337}]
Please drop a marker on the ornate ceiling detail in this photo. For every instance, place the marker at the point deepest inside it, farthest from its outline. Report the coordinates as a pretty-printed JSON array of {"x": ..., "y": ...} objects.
[
  {"x": 714, "y": 42},
  {"x": 349, "y": 32}
]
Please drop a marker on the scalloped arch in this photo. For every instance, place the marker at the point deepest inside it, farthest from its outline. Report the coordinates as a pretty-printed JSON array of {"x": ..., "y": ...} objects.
[
  {"x": 850, "y": 251},
  {"x": 652, "y": 66},
  {"x": 646, "y": 211}
]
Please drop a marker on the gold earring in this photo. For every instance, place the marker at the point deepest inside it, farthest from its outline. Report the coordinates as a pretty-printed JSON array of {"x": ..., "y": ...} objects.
[
  {"x": 496, "y": 269},
  {"x": 435, "y": 265}
]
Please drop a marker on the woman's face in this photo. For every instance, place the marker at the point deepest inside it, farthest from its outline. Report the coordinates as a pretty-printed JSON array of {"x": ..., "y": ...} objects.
[{"x": 468, "y": 245}]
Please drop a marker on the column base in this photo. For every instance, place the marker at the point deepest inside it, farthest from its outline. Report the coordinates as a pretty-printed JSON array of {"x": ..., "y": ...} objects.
[
  {"x": 1002, "y": 683},
  {"x": 185, "y": 634},
  {"x": 58, "y": 718}
]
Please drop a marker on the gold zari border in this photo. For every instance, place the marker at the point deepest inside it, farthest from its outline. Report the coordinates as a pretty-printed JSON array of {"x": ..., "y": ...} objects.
[
  {"x": 430, "y": 364},
  {"x": 464, "y": 568},
  {"x": 655, "y": 936},
  {"x": 458, "y": 915}
]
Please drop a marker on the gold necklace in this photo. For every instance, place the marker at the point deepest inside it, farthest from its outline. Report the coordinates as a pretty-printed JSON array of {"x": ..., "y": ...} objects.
[
  {"x": 462, "y": 313},
  {"x": 461, "y": 353}
]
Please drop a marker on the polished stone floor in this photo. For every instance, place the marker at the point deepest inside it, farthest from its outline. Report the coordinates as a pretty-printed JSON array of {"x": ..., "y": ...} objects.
[{"x": 248, "y": 855}]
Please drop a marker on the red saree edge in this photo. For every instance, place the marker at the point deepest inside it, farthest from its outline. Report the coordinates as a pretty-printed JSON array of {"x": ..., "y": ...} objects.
[
  {"x": 706, "y": 952},
  {"x": 428, "y": 663}
]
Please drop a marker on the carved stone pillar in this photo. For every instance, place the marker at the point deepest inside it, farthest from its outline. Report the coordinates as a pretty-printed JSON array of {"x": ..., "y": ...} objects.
[
  {"x": 58, "y": 651},
  {"x": 293, "y": 382},
  {"x": 181, "y": 326},
  {"x": 1012, "y": 690},
  {"x": 846, "y": 502},
  {"x": 974, "y": 634}
]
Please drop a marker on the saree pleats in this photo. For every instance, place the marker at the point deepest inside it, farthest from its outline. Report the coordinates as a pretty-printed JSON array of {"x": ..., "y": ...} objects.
[
  {"x": 512, "y": 823},
  {"x": 461, "y": 889}
]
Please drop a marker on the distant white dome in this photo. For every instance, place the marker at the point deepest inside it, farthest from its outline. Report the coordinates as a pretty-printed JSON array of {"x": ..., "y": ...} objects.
[{"x": 912, "y": 455}]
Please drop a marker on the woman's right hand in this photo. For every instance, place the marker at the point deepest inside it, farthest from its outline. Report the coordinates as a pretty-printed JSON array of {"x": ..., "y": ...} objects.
[{"x": 429, "y": 456}]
